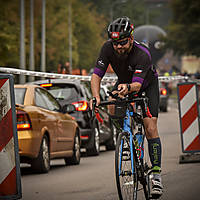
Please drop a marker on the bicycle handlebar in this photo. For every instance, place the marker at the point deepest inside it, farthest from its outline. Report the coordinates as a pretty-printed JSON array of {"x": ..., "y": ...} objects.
[
  {"x": 127, "y": 101},
  {"x": 124, "y": 101}
]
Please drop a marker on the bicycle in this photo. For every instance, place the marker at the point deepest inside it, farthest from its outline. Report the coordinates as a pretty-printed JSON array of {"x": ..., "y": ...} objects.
[{"x": 130, "y": 166}]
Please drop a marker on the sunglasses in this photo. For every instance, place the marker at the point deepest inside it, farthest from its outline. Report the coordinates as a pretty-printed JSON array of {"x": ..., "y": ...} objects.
[{"x": 122, "y": 43}]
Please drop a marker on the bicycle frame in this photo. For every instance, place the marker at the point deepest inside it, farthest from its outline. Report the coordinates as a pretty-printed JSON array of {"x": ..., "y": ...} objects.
[{"x": 127, "y": 127}]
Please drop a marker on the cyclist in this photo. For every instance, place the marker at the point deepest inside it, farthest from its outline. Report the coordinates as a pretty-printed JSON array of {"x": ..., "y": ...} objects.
[{"x": 131, "y": 62}]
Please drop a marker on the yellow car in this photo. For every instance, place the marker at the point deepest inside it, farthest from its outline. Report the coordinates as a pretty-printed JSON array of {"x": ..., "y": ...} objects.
[{"x": 45, "y": 129}]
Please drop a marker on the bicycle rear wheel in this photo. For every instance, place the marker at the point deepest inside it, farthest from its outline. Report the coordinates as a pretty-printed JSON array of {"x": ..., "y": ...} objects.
[
  {"x": 146, "y": 168},
  {"x": 126, "y": 180},
  {"x": 146, "y": 187}
]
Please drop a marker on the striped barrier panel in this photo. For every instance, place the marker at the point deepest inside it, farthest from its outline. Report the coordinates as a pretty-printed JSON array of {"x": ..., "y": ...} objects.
[
  {"x": 10, "y": 182},
  {"x": 189, "y": 115}
]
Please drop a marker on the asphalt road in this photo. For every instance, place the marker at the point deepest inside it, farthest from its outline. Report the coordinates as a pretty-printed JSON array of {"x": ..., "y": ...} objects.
[{"x": 94, "y": 178}]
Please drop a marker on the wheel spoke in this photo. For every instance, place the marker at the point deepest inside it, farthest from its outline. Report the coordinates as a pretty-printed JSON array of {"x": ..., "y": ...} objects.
[
  {"x": 97, "y": 138},
  {"x": 114, "y": 135},
  {"x": 77, "y": 147},
  {"x": 45, "y": 152}
]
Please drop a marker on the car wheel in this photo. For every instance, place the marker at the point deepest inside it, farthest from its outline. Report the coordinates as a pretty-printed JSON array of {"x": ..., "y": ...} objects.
[
  {"x": 94, "y": 151},
  {"x": 75, "y": 159},
  {"x": 163, "y": 109},
  {"x": 111, "y": 144},
  {"x": 42, "y": 162}
]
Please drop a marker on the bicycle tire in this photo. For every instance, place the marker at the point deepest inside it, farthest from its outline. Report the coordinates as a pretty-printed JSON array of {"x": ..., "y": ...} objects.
[
  {"x": 146, "y": 188},
  {"x": 145, "y": 163},
  {"x": 146, "y": 185},
  {"x": 127, "y": 182}
]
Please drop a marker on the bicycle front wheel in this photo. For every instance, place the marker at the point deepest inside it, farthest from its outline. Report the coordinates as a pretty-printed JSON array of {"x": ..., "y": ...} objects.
[{"x": 126, "y": 176}]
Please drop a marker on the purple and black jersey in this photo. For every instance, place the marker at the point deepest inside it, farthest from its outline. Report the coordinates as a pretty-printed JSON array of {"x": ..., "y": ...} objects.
[{"x": 133, "y": 67}]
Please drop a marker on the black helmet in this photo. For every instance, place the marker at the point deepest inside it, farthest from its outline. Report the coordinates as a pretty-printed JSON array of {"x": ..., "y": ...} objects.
[{"x": 120, "y": 28}]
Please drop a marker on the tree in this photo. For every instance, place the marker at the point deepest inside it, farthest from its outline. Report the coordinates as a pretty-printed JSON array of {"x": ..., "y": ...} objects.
[
  {"x": 9, "y": 34},
  {"x": 89, "y": 22},
  {"x": 87, "y": 33},
  {"x": 184, "y": 29},
  {"x": 134, "y": 9},
  {"x": 89, "y": 29}
]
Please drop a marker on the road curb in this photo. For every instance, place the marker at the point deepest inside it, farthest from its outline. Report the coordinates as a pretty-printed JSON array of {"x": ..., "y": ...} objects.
[{"x": 189, "y": 158}]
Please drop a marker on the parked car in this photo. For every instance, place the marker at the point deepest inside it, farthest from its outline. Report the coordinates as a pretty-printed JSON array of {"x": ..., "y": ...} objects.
[
  {"x": 163, "y": 97},
  {"x": 45, "y": 128},
  {"x": 93, "y": 133}
]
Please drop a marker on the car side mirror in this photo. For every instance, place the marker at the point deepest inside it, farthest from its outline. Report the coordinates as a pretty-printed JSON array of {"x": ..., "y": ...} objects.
[{"x": 68, "y": 108}]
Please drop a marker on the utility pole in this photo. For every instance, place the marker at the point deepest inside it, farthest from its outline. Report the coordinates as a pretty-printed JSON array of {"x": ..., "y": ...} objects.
[
  {"x": 32, "y": 62},
  {"x": 70, "y": 36},
  {"x": 22, "y": 41},
  {"x": 43, "y": 50}
]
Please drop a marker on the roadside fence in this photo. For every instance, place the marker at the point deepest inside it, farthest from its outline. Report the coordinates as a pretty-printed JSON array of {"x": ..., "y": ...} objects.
[{"x": 106, "y": 79}]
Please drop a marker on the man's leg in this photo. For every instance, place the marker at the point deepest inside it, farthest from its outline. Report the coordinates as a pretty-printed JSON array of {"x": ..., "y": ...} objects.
[
  {"x": 153, "y": 141},
  {"x": 155, "y": 152}
]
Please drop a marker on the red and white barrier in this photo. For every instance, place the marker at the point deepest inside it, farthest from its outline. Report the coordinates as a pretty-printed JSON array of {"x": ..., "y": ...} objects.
[
  {"x": 188, "y": 99},
  {"x": 10, "y": 184}
]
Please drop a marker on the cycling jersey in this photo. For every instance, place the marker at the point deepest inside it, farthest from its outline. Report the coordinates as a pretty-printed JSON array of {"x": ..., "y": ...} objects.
[{"x": 136, "y": 66}]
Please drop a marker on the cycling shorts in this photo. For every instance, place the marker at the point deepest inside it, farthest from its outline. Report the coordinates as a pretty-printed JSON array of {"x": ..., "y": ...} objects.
[{"x": 152, "y": 92}]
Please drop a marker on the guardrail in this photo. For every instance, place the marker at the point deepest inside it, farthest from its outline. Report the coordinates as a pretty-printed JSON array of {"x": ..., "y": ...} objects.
[{"x": 78, "y": 77}]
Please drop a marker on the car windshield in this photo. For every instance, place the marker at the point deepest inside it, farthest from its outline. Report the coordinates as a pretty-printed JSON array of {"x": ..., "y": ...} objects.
[
  {"x": 19, "y": 95},
  {"x": 63, "y": 93}
]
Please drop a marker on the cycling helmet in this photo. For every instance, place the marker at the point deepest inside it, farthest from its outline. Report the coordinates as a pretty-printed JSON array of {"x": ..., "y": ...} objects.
[{"x": 120, "y": 28}]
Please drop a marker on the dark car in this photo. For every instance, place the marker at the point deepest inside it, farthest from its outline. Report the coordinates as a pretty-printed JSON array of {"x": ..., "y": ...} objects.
[
  {"x": 163, "y": 97},
  {"x": 78, "y": 93}
]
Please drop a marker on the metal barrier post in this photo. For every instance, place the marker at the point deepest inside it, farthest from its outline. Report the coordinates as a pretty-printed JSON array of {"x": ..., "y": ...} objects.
[
  {"x": 10, "y": 177},
  {"x": 189, "y": 115}
]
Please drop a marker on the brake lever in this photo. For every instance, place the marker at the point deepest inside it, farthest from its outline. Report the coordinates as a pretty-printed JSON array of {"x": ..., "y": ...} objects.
[
  {"x": 94, "y": 102},
  {"x": 96, "y": 114}
]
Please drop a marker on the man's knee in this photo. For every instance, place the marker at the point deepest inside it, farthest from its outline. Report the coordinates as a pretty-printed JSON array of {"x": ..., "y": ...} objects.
[{"x": 151, "y": 130}]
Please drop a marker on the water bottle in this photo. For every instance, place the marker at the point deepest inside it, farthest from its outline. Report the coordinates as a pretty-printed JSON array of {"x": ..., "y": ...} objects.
[{"x": 140, "y": 148}]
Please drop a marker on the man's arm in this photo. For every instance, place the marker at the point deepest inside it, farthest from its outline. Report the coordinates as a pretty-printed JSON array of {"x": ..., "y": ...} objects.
[
  {"x": 135, "y": 87},
  {"x": 95, "y": 87},
  {"x": 123, "y": 88}
]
